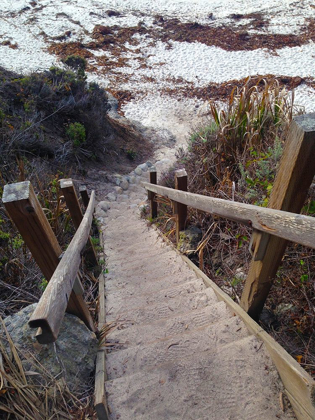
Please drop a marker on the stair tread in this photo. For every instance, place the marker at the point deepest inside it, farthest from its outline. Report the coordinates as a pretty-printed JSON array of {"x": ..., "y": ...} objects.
[
  {"x": 144, "y": 357},
  {"x": 238, "y": 382},
  {"x": 128, "y": 334}
]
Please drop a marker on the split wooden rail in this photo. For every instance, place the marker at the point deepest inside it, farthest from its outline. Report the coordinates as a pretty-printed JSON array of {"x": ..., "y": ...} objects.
[
  {"x": 272, "y": 227},
  {"x": 64, "y": 291}
]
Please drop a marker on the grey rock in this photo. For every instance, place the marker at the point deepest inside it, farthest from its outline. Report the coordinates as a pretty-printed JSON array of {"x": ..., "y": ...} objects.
[
  {"x": 100, "y": 213},
  {"x": 132, "y": 179},
  {"x": 138, "y": 171},
  {"x": 72, "y": 356},
  {"x": 111, "y": 197},
  {"x": 103, "y": 205},
  {"x": 143, "y": 167},
  {"x": 240, "y": 274},
  {"x": 124, "y": 184},
  {"x": 118, "y": 190},
  {"x": 189, "y": 239},
  {"x": 149, "y": 164}
]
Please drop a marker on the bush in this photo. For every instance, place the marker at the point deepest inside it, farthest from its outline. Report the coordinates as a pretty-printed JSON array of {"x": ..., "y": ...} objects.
[{"x": 76, "y": 133}]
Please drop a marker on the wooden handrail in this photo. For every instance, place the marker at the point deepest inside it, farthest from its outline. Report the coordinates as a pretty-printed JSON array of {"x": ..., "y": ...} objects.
[
  {"x": 51, "y": 307},
  {"x": 290, "y": 226}
]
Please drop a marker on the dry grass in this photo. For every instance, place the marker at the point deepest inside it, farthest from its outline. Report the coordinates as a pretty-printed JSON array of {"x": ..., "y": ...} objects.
[{"x": 22, "y": 399}]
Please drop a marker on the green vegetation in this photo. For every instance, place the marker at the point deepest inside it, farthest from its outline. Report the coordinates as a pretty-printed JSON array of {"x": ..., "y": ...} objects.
[{"x": 236, "y": 158}]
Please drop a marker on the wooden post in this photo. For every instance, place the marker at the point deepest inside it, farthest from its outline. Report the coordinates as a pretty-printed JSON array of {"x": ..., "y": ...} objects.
[
  {"x": 68, "y": 190},
  {"x": 151, "y": 195},
  {"x": 49, "y": 312},
  {"x": 289, "y": 192},
  {"x": 25, "y": 211},
  {"x": 84, "y": 195},
  {"x": 180, "y": 210}
]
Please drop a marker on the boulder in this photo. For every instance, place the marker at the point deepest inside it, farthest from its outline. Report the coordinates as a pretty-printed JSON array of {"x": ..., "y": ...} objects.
[
  {"x": 111, "y": 197},
  {"x": 72, "y": 356},
  {"x": 138, "y": 171},
  {"x": 189, "y": 239},
  {"x": 124, "y": 184}
]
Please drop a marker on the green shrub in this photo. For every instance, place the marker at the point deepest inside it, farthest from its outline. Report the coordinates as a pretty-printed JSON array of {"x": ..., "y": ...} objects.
[{"x": 76, "y": 133}]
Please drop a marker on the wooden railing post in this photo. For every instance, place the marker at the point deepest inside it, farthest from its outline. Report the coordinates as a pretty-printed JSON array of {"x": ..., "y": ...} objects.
[
  {"x": 69, "y": 192},
  {"x": 25, "y": 211},
  {"x": 180, "y": 210},
  {"x": 289, "y": 192},
  {"x": 84, "y": 195},
  {"x": 151, "y": 195}
]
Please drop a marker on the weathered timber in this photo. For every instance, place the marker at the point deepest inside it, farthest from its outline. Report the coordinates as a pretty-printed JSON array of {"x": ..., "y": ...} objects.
[
  {"x": 25, "y": 211},
  {"x": 293, "y": 227},
  {"x": 180, "y": 209},
  {"x": 100, "y": 371},
  {"x": 84, "y": 195},
  {"x": 49, "y": 312},
  {"x": 70, "y": 195},
  {"x": 151, "y": 195},
  {"x": 295, "y": 174},
  {"x": 299, "y": 385}
]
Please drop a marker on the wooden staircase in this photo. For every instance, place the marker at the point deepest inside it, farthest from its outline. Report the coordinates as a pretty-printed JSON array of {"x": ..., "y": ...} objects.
[{"x": 177, "y": 352}]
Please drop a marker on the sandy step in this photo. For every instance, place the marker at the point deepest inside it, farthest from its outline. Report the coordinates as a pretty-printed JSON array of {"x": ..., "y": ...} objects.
[
  {"x": 128, "y": 334},
  {"x": 145, "y": 357},
  {"x": 133, "y": 254},
  {"x": 116, "y": 301},
  {"x": 238, "y": 382},
  {"x": 160, "y": 310}
]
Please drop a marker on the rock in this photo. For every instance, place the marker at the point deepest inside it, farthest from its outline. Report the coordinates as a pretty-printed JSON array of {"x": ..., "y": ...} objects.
[
  {"x": 124, "y": 184},
  {"x": 189, "y": 239},
  {"x": 100, "y": 213},
  {"x": 118, "y": 190},
  {"x": 240, "y": 274},
  {"x": 138, "y": 171},
  {"x": 132, "y": 179},
  {"x": 103, "y": 205},
  {"x": 72, "y": 356},
  {"x": 111, "y": 197},
  {"x": 149, "y": 164},
  {"x": 143, "y": 167}
]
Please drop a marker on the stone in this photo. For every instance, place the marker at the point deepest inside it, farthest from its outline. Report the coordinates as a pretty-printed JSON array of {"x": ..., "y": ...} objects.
[
  {"x": 111, "y": 197},
  {"x": 124, "y": 184},
  {"x": 100, "y": 213},
  {"x": 240, "y": 274},
  {"x": 189, "y": 239},
  {"x": 143, "y": 167},
  {"x": 103, "y": 205},
  {"x": 118, "y": 190},
  {"x": 72, "y": 356},
  {"x": 132, "y": 179},
  {"x": 138, "y": 171},
  {"x": 149, "y": 164}
]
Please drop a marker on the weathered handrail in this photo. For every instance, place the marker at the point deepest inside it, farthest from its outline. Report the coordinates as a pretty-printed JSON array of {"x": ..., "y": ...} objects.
[
  {"x": 51, "y": 307},
  {"x": 291, "y": 226}
]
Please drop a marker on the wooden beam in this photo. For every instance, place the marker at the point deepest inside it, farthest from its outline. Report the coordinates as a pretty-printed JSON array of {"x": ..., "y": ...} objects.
[
  {"x": 50, "y": 310},
  {"x": 180, "y": 210},
  {"x": 26, "y": 213},
  {"x": 69, "y": 192},
  {"x": 295, "y": 174},
  {"x": 299, "y": 385},
  {"x": 151, "y": 195},
  {"x": 84, "y": 195},
  {"x": 290, "y": 226}
]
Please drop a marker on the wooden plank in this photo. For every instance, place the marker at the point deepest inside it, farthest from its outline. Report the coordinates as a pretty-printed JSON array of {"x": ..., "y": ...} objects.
[
  {"x": 151, "y": 196},
  {"x": 293, "y": 227},
  {"x": 69, "y": 192},
  {"x": 84, "y": 195},
  {"x": 289, "y": 192},
  {"x": 49, "y": 311},
  {"x": 100, "y": 374},
  {"x": 180, "y": 209},
  {"x": 299, "y": 385},
  {"x": 25, "y": 211}
]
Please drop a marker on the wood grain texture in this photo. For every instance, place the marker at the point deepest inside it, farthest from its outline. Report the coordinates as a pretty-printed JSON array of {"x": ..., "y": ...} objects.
[
  {"x": 290, "y": 226},
  {"x": 180, "y": 209},
  {"x": 25, "y": 211},
  {"x": 72, "y": 201},
  {"x": 299, "y": 385},
  {"x": 295, "y": 174},
  {"x": 100, "y": 373},
  {"x": 50, "y": 310}
]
